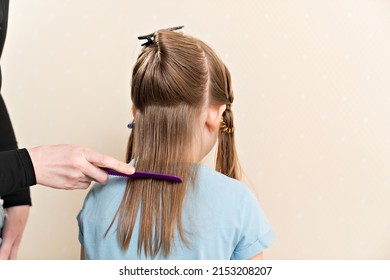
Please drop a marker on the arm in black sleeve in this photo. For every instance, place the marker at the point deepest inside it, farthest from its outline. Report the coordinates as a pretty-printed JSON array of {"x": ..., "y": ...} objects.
[
  {"x": 17, "y": 198},
  {"x": 16, "y": 171},
  {"x": 19, "y": 161}
]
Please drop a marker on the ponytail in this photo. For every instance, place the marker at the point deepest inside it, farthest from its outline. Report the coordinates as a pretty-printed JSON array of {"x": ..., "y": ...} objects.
[{"x": 227, "y": 159}]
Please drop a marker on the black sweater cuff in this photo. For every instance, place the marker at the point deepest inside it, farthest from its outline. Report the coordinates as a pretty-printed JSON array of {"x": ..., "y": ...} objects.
[
  {"x": 28, "y": 167},
  {"x": 18, "y": 198},
  {"x": 16, "y": 171}
]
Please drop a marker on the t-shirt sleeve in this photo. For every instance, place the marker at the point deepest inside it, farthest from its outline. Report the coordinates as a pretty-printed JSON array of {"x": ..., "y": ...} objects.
[
  {"x": 86, "y": 212},
  {"x": 80, "y": 223},
  {"x": 256, "y": 233},
  {"x": 81, "y": 217}
]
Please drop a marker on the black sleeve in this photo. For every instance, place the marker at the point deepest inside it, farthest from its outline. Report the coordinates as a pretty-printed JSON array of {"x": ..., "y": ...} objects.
[
  {"x": 15, "y": 159},
  {"x": 16, "y": 171},
  {"x": 8, "y": 142},
  {"x": 17, "y": 198},
  {"x": 21, "y": 196},
  {"x": 4, "y": 8}
]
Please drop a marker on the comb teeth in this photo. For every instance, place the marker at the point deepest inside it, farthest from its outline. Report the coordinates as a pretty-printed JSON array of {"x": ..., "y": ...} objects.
[{"x": 144, "y": 175}]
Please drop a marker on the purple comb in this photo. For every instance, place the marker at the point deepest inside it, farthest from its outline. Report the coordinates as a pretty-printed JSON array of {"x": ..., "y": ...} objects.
[{"x": 145, "y": 175}]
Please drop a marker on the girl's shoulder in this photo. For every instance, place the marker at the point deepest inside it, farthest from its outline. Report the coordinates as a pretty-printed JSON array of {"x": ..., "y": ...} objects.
[
  {"x": 209, "y": 183},
  {"x": 114, "y": 188},
  {"x": 217, "y": 184},
  {"x": 211, "y": 176}
]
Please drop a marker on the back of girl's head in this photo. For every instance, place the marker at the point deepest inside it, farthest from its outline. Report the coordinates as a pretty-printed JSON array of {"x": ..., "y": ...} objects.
[
  {"x": 174, "y": 78},
  {"x": 168, "y": 89},
  {"x": 170, "y": 72},
  {"x": 179, "y": 75}
]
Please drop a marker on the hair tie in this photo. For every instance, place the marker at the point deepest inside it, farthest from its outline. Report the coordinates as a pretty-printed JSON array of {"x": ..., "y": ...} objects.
[
  {"x": 131, "y": 125},
  {"x": 150, "y": 37},
  {"x": 225, "y": 128}
]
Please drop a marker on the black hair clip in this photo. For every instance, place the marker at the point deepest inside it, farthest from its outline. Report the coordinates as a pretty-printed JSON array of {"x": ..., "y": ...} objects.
[{"x": 150, "y": 37}]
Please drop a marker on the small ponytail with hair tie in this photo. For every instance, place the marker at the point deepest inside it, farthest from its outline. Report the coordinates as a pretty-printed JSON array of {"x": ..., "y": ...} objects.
[
  {"x": 225, "y": 128},
  {"x": 229, "y": 129},
  {"x": 227, "y": 159}
]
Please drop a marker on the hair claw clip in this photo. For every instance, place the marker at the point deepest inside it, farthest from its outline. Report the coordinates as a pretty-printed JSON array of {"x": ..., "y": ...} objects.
[{"x": 150, "y": 37}]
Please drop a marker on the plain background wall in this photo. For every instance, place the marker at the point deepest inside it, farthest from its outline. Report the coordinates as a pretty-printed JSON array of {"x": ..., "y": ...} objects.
[{"x": 312, "y": 108}]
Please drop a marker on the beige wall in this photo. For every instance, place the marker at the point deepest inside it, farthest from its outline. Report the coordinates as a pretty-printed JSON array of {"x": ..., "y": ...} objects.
[{"x": 312, "y": 85}]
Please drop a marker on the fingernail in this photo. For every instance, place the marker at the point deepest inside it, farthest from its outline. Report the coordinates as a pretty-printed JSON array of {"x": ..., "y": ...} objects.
[{"x": 131, "y": 169}]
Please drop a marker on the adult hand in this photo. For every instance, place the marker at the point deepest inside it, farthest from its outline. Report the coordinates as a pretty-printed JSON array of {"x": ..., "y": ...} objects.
[
  {"x": 13, "y": 230},
  {"x": 72, "y": 167}
]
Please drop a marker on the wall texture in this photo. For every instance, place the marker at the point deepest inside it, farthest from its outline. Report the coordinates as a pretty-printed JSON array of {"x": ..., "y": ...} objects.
[{"x": 312, "y": 86}]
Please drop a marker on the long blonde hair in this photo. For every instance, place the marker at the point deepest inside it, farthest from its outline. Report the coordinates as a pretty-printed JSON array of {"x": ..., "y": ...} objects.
[{"x": 174, "y": 77}]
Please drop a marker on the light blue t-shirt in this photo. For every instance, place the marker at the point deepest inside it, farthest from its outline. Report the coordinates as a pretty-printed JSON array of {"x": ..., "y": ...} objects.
[{"x": 221, "y": 217}]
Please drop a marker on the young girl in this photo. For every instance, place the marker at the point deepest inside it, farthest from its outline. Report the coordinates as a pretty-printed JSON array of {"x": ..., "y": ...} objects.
[{"x": 182, "y": 105}]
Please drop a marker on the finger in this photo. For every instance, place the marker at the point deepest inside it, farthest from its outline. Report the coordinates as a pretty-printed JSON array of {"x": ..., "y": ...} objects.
[
  {"x": 92, "y": 172},
  {"x": 81, "y": 186},
  {"x": 86, "y": 180},
  {"x": 109, "y": 162}
]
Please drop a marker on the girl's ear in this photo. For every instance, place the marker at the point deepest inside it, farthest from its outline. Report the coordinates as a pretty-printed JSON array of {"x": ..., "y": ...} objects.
[
  {"x": 214, "y": 116},
  {"x": 133, "y": 110}
]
